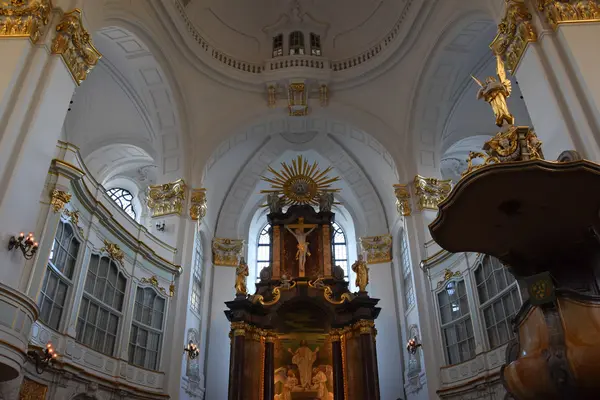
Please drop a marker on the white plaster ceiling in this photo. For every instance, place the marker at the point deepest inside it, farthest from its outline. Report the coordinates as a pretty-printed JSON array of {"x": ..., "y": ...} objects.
[{"x": 239, "y": 27}]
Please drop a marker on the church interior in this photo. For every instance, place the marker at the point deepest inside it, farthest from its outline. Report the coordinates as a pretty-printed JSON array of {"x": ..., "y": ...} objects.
[{"x": 299, "y": 199}]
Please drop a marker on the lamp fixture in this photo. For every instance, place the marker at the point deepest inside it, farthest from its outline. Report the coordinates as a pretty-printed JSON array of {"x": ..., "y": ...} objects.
[
  {"x": 412, "y": 345},
  {"x": 160, "y": 226},
  {"x": 42, "y": 358},
  {"x": 28, "y": 245},
  {"x": 192, "y": 350}
]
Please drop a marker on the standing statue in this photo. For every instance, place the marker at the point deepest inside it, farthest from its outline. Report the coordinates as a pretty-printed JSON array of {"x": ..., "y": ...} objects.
[
  {"x": 275, "y": 203},
  {"x": 304, "y": 358},
  {"x": 496, "y": 91},
  {"x": 300, "y": 236},
  {"x": 241, "y": 273},
  {"x": 325, "y": 201},
  {"x": 362, "y": 273}
]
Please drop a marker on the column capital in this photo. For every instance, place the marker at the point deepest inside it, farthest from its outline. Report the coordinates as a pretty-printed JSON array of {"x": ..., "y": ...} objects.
[
  {"x": 24, "y": 18},
  {"x": 556, "y": 12},
  {"x": 431, "y": 192},
  {"x": 402, "y": 193}
]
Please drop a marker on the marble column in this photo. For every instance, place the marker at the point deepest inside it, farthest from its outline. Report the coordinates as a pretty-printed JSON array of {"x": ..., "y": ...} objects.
[
  {"x": 269, "y": 373},
  {"x": 338, "y": 364},
  {"x": 236, "y": 366},
  {"x": 369, "y": 359}
]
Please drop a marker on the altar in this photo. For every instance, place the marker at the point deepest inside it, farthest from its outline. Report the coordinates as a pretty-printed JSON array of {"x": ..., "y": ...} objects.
[{"x": 302, "y": 335}]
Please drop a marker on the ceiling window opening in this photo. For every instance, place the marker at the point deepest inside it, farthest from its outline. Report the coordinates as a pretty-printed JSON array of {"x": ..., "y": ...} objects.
[
  {"x": 124, "y": 199},
  {"x": 278, "y": 45},
  {"x": 315, "y": 45},
  {"x": 296, "y": 43}
]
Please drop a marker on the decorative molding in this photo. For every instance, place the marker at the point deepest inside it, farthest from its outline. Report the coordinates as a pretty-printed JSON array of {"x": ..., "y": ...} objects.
[
  {"x": 167, "y": 198},
  {"x": 227, "y": 252},
  {"x": 114, "y": 251},
  {"x": 31, "y": 390},
  {"x": 24, "y": 18},
  {"x": 377, "y": 248},
  {"x": 58, "y": 199},
  {"x": 75, "y": 46},
  {"x": 402, "y": 200},
  {"x": 448, "y": 275},
  {"x": 431, "y": 191},
  {"x": 569, "y": 11},
  {"x": 297, "y": 99},
  {"x": 73, "y": 217},
  {"x": 198, "y": 204},
  {"x": 515, "y": 32},
  {"x": 153, "y": 281}
]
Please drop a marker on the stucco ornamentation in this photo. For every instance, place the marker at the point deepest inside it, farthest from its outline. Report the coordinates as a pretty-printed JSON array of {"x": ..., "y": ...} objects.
[
  {"x": 198, "y": 204},
  {"x": 431, "y": 191},
  {"x": 24, "y": 18},
  {"x": 167, "y": 198},
  {"x": 227, "y": 252},
  {"x": 377, "y": 248}
]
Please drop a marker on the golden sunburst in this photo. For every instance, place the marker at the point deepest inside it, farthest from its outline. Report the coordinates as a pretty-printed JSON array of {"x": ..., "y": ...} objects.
[{"x": 301, "y": 182}]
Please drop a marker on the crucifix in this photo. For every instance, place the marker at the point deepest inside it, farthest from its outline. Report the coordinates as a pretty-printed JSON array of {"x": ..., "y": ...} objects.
[{"x": 300, "y": 235}]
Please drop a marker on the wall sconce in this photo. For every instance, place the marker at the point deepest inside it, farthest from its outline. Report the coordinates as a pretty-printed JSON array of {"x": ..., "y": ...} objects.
[
  {"x": 192, "y": 350},
  {"x": 28, "y": 245},
  {"x": 412, "y": 345},
  {"x": 42, "y": 358},
  {"x": 160, "y": 226}
]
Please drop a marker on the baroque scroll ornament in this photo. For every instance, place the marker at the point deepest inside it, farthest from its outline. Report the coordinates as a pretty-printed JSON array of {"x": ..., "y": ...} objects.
[
  {"x": 114, "y": 251},
  {"x": 431, "y": 191},
  {"x": 227, "y": 252},
  {"x": 198, "y": 204},
  {"x": 24, "y": 18},
  {"x": 58, "y": 199},
  {"x": 377, "y": 248},
  {"x": 167, "y": 198}
]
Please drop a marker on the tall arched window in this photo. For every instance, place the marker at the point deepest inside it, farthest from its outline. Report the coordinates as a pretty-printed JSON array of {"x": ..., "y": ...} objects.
[
  {"x": 124, "y": 199},
  {"x": 296, "y": 43},
  {"x": 263, "y": 253},
  {"x": 340, "y": 248}
]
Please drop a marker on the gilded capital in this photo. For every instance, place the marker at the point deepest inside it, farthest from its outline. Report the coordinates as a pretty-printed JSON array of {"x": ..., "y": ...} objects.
[
  {"x": 74, "y": 44},
  {"x": 564, "y": 11},
  {"x": 377, "y": 248},
  {"x": 364, "y": 327},
  {"x": 198, "y": 204},
  {"x": 24, "y": 18},
  {"x": 402, "y": 200},
  {"x": 113, "y": 250},
  {"x": 515, "y": 32},
  {"x": 58, "y": 199},
  {"x": 431, "y": 191},
  {"x": 167, "y": 198},
  {"x": 227, "y": 252}
]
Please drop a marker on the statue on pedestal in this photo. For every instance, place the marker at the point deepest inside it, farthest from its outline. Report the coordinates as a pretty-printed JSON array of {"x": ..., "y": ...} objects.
[
  {"x": 302, "y": 246},
  {"x": 241, "y": 273},
  {"x": 362, "y": 273},
  {"x": 495, "y": 92}
]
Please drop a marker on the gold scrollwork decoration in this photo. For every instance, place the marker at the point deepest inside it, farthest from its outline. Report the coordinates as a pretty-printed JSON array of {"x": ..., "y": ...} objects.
[
  {"x": 74, "y": 44},
  {"x": 24, "y": 18},
  {"x": 114, "y": 251},
  {"x": 448, "y": 274},
  {"x": 377, "y": 248},
  {"x": 227, "y": 252},
  {"x": 364, "y": 327},
  {"x": 402, "y": 200},
  {"x": 431, "y": 191},
  {"x": 473, "y": 155},
  {"x": 328, "y": 292},
  {"x": 568, "y": 11},
  {"x": 153, "y": 280},
  {"x": 198, "y": 204},
  {"x": 167, "y": 198},
  {"x": 73, "y": 216},
  {"x": 58, "y": 199},
  {"x": 515, "y": 32}
]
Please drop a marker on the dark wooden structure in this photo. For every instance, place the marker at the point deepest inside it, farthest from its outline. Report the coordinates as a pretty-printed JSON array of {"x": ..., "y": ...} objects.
[{"x": 314, "y": 307}]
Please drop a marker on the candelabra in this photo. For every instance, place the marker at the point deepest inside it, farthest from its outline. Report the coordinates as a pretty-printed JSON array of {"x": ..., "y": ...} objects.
[
  {"x": 42, "y": 358},
  {"x": 27, "y": 245},
  {"x": 192, "y": 350},
  {"x": 412, "y": 345}
]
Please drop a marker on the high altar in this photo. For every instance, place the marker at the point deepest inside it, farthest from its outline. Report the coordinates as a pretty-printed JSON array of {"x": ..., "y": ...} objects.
[{"x": 302, "y": 334}]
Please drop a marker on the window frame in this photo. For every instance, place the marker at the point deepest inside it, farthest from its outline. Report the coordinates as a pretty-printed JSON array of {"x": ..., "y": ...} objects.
[
  {"x": 139, "y": 325},
  {"x": 117, "y": 199},
  {"x": 343, "y": 244},
  {"x": 265, "y": 231},
  {"x": 91, "y": 298},
  {"x": 61, "y": 278},
  {"x": 197, "y": 278},
  {"x": 277, "y": 48},
  {"x": 296, "y": 44},
  {"x": 315, "y": 45},
  {"x": 499, "y": 296},
  {"x": 408, "y": 285}
]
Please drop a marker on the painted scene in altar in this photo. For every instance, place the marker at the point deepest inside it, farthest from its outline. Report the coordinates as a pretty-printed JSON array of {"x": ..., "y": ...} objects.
[{"x": 303, "y": 362}]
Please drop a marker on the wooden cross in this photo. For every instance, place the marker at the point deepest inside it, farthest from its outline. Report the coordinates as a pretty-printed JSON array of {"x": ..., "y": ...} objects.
[{"x": 301, "y": 225}]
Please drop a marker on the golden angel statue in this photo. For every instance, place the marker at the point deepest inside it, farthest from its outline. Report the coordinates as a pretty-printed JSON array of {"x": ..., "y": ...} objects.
[
  {"x": 241, "y": 272},
  {"x": 496, "y": 91},
  {"x": 362, "y": 273}
]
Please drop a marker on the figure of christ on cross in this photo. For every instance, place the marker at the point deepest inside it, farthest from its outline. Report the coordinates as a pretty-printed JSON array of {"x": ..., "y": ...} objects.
[{"x": 300, "y": 235}]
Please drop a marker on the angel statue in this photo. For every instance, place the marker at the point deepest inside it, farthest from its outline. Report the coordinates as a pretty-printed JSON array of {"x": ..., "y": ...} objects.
[
  {"x": 241, "y": 273},
  {"x": 496, "y": 91}
]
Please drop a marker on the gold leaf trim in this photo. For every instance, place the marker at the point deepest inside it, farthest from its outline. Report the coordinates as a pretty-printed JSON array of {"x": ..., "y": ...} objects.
[{"x": 23, "y": 18}]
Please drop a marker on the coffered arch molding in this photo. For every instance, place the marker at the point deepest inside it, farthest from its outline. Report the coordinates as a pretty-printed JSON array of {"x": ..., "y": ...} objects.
[{"x": 460, "y": 49}]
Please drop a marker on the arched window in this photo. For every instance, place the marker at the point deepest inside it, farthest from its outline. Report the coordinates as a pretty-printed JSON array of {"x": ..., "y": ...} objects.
[
  {"x": 340, "y": 248},
  {"x": 124, "y": 199},
  {"x": 59, "y": 275},
  {"x": 278, "y": 45},
  {"x": 263, "y": 253},
  {"x": 197, "y": 281},
  {"x": 296, "y": 43},
  {"x": 315, "y": 44},
  {"x": 457, "y": 326}
]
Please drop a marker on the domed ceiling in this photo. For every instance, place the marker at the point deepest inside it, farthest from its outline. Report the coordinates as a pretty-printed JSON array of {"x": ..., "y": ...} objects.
[{"x": 244, "y": 29}]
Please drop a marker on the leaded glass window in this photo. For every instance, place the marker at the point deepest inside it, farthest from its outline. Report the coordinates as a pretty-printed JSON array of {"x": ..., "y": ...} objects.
[
  {"x": 278, "y": 45},
  {"x": 457, "y": 326},
  {"x": 296, "y": 43},
  {"x": 196, "y": 298},
  {"x": 408, "y": 286},
  {"x": 315, "y": 44},
  {"x": 263, "y": 251},
  {"x": 147, "y": 328},
  {"x": 340, "y": 248},
  {"x": 124, "y": 199}
]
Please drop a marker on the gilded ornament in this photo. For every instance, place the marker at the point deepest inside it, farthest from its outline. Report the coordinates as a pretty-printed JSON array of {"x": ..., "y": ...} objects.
[
  {"x": 31, "y": 390},
  {"x": 153, "y": 280},
  {"x": 272, "y": 95},
  {"x": 300, "y": 183},
  {"x": 58, "y": 199},
  {"x": 431, "y": 191},
  {"x": 73, "y": 216},
  {"x": 328, "y": 292},
  {"x": 448, "y": 274},
  {"x": 297, "y": 100},
  {"x": 24, "y": 18},
  {"x": 377, "y": 248},
  {"x": 198, "y": 204},
  {"x": 515, "y": 32},
  {"x": 495, "y": 92},
  {"x": 568, "y": 11},
  {"x": 402, "y": 200},
  {"x": 323, "y": 95},
  {"x": 75, "y": 46},
  {"x": 227, "y": 252},
  {"x": 241, "y": 274},
  {"x": 113, "y": 250},
  {"x": 167, "y": 198},
  {"x": 364, "y": 327}
]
